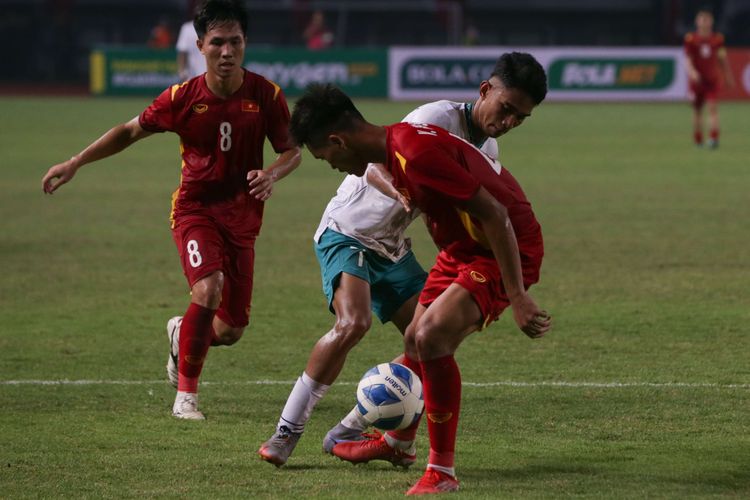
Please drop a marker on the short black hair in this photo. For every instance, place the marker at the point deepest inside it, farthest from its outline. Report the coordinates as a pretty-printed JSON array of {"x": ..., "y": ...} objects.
[
  {"x": 519, "y": 70},
  {"x": 323, "y": 109},
  {"x": 213, "y": 12}
]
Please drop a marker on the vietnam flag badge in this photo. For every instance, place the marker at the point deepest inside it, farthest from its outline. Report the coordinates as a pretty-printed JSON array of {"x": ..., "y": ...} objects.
[{"x": 250, "y": 106}]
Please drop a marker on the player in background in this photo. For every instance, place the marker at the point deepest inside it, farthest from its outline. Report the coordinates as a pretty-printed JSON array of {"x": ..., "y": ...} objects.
[
  {"x": 706, "y": 57},
  {"x": 367, "y": 263},
  {"x": 190, "y": 60},
  {"x": 490, "y": 249},
  {"x": 222, "y": 119}
]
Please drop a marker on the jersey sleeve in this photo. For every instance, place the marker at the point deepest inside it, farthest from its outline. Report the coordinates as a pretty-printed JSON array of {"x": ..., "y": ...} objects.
[
  {"x": 158, "y": 117},
  {"x": 687, "y": 44},
  {"x": 438, "y": 172},
  {"x": 277, "y": 118},
  {"x": 430, "y": 114}
]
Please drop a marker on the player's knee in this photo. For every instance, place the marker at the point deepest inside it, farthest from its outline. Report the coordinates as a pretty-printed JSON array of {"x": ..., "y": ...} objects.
[
  {"x": 350, "y": 330},
  {"x": 427, "y": 339},
  {"x": 207, "y": 291},
  {"x": 230, "y": 336}
]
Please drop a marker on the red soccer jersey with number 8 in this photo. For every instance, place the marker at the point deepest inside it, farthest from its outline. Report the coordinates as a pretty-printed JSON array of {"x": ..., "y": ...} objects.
[{"x": 221, "y": 140}]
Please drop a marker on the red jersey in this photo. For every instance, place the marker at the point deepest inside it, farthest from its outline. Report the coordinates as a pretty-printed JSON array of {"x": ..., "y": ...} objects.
[
  {"x": 439, "y": 172},
  {"x": 703, "y": 52},
  {"x": 221, "y": 140}
]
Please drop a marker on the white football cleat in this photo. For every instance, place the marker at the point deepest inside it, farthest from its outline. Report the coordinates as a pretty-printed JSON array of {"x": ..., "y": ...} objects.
[
  {"x": 173, "y": 333},
  {"x": 186, "y": 407}
]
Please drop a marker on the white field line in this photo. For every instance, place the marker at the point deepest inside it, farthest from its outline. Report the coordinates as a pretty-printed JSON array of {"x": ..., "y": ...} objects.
[{"x": 507, "y": 383}]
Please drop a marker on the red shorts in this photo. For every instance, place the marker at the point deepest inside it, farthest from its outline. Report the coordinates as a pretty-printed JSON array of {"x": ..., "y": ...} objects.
[
  {"x": 479, "y": 275},
  {"x": 206, "y": 247},
  {"x": 705, "y": 90}
]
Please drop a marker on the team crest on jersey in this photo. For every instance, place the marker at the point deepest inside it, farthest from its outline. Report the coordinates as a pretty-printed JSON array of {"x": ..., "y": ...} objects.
[
  {"x": 478, "y": 277},
  {"x": 250, "y": 106},
  {"x": 200, "y": 108}
]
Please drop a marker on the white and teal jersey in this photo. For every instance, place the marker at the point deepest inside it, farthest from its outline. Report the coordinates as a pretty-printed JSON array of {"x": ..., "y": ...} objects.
[{"x": 376, "y": 220}]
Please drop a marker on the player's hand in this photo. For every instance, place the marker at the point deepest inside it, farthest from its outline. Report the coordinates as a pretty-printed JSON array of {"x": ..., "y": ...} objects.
[
  {"x": 260, "y": 184},
  {"x": 405, "y": 202},
  {"x": 58, "y": 175},
  {"x": 530, "y": 319},
  {"x": 694, "y": 76}
]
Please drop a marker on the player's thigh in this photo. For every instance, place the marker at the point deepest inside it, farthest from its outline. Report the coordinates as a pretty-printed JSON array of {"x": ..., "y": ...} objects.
[
  {"x": 237, "y": 294},
  {"x": 338, "y": 254},
  {"x": 200, "y": 246},
  {"x": 351, "y": 302},
  {"x": 478, "y": 275},
  {"x": 394, "y": 284},
  {"x": 446, "y": 323}
]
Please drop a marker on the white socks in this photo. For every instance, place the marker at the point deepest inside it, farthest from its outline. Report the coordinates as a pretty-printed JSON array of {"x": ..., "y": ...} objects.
[
  {"x": 303, "y": 398},
  {"x": 355, "y": 421},
  {"x": 451, "y": 471}
]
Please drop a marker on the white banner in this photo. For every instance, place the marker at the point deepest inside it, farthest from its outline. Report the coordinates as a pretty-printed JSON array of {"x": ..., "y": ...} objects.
[{"x": 573, "y": 73}]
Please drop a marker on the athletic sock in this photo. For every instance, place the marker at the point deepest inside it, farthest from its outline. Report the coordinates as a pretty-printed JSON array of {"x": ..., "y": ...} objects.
[
  {"x": 698, "y": 137},
  {"x": 451, "y": 471},
  {"x": 441, "y": 384},
  {"x": 195, "y": 337},
  {"x": 354, "y": 420},
  {"x": 408, "y": 435},
  {"x": 303, "y": 398},
  {"x": 714, "y": 134}
]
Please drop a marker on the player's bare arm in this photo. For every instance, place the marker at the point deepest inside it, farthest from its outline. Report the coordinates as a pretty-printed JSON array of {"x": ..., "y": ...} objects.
[
  {"x": 112, "y": 142},
  {"x": 693, "y": 74},
  {"x": 379, "y": 178},
  {"x": 260, "y": 182},
  {"x": 725, "y": 68},
  {"x": 499, "y": 231}
]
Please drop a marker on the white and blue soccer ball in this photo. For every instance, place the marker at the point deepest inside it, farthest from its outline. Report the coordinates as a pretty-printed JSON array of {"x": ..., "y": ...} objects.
[{"x": 389, "y": 396}]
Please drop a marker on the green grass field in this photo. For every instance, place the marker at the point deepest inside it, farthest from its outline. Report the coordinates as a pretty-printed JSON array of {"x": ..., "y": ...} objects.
[{"x": 641, "y": 391}]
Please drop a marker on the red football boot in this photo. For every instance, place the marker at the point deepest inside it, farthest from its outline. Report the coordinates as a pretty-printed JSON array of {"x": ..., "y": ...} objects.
[
  {"x": 374, "y": 447},
  {"x": 434, "y": 481}
]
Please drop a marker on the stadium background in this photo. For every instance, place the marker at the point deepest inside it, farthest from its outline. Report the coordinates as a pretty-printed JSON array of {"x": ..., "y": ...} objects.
[{"x": 641, "y": 391}]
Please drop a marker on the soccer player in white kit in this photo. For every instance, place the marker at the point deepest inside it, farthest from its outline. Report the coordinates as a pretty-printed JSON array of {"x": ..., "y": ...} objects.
[{"x": 367, "y": 264}]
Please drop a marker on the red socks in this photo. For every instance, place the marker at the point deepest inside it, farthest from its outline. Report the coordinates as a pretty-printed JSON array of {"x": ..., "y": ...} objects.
[
  {"x": 410, "y": 433},
  {"x": 714, "y": 134},
  {"x": 698, "y": 137},
  {"x": 441, "y": 383},
  {"x": 195, "y": 338}
]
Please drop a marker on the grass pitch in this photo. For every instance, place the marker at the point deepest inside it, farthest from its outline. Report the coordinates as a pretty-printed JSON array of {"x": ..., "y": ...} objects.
[{"x": 641, "y": 390}]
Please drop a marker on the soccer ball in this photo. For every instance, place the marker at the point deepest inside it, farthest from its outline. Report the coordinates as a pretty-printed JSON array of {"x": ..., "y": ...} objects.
[{"x": 389, "y": 396}]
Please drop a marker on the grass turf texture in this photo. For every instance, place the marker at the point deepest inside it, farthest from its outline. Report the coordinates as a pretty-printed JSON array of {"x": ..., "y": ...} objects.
[{"x": 646, "y": 275}]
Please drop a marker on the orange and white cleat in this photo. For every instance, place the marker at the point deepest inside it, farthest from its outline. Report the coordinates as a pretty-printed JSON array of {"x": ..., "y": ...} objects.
[
  {"x": 374, "y": 447},
  {"x": 434, "y": 481}
]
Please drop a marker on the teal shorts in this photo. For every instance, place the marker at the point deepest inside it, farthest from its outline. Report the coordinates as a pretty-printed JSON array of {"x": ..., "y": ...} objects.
[{"x": 391, "y": 283}]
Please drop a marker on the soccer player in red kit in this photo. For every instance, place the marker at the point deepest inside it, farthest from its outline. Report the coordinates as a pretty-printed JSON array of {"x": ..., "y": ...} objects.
[
  {"x": 706, "y": 56},
  {"x": 490, "y": 250},
  {"x": 222, "y": 118}
]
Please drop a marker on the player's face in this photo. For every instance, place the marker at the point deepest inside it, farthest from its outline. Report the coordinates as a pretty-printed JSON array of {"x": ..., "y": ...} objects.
[
  {"x": 500, "y": 109},
  {"x": 704, "y": 21},
  {"x": 339, "y": 156},
  {"x": 224, "y": 48}
]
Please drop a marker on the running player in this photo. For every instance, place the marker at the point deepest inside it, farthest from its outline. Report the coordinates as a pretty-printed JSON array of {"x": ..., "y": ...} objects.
[
  {"x": 222, "y": 119},
  {"x": 366, "y": 262},
  {"x": 706, "y": 57}
]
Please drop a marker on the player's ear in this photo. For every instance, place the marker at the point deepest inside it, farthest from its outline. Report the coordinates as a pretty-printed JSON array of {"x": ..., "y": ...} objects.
[
  {"x": 199, "y": 44},
  {"x": 336, "y": 140},
  {"x": 484, "y": 87}
]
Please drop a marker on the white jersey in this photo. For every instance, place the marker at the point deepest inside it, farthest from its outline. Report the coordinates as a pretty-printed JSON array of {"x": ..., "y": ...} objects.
[
  {"x": 377, "y": 221},
  {"x": 186, "y": 42}
]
